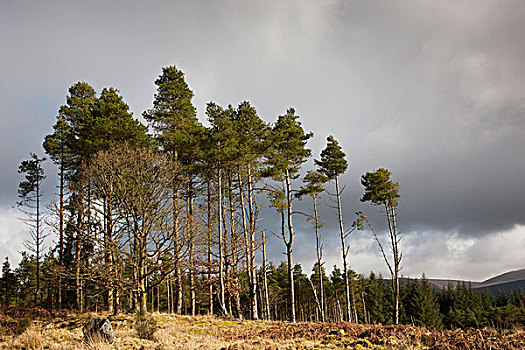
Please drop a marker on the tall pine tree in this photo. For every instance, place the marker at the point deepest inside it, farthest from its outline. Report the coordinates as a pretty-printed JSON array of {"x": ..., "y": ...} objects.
[
  {"x": 333, "y": 164},
  {"x": 179, "y": 132},
  {"x": 284, "y": 162},
  {"x": 30, "y": 194},
  {"x": 314, "y": 187}
]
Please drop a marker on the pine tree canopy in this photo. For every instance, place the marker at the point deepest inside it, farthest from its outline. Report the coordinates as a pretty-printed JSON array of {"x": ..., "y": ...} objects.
[
  {"x": 313, "y": 184},
  {"x": 289, "y": 144},
  {"x": 34, "y": 174},
  {"x": 333, "y": 162},
  {"x": 379, "y": 189}
]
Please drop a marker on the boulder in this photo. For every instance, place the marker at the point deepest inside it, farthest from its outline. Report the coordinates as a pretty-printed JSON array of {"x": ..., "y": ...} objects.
[{"x": 98, "y": 330}]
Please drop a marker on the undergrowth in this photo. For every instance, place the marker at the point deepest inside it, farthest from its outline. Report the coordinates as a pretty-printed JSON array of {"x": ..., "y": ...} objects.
[
  {"x": 166, "y": 332},
  {"x": 146, "y": 326}
]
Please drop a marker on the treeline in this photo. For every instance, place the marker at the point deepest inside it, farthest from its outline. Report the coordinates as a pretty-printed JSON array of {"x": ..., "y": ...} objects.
[
  {"x": 423, "y": 305},
  {"x": 170, "y": 220}
]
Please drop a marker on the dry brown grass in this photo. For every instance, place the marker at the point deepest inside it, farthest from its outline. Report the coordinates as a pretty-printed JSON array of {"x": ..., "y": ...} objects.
[{"x": 64, "y": 332}]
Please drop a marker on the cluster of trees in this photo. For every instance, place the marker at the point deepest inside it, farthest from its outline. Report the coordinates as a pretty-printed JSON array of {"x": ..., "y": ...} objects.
[
  {"x": 422, "y": 305},
  {"x": 170, "y": 220}
]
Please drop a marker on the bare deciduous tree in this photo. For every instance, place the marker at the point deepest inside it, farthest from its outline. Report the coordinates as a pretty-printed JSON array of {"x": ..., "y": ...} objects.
[{"x": 139, "y": 183}]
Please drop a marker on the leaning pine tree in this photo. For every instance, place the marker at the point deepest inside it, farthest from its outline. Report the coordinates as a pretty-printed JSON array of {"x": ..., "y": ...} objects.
[
  {"x": 381, "y": 191},
  {"x": 314, "y": 187},
  {"x": 333, "y": 164}
]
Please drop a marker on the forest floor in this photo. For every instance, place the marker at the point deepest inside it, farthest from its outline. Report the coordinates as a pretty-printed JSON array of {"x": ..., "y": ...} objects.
[{"x": 63, "y": 330}]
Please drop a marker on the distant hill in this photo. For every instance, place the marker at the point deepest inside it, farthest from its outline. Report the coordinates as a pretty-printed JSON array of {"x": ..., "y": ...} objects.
[
  {"x": 513, "y": 276},
  {"x": 509, "y": 281},
  {"x": 508, "y": 287},
  {"x": 438, "y": 283}
]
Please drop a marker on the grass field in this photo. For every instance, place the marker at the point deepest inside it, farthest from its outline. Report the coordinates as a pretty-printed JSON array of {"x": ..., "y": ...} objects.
[{"x": 64, "y": 331}]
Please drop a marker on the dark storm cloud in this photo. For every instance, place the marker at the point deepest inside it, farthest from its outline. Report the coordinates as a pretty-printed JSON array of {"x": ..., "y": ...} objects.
[
  {"x": 434, "y": 91},
  {"x": 439, "y": 99}
]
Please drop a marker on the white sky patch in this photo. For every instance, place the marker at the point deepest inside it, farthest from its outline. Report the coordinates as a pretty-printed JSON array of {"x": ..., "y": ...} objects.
[
  {"x": 297, "y": 28},
  {"x": 363, "y": 257},
  {"x": 437, "y": 255},
  {"x": 450, "y": 256},
  {"x": 457, "y": 247},
  {"x": 13, "y": 233}
]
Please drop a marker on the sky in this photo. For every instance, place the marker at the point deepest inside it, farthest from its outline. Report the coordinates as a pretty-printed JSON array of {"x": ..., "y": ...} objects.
[{"x": 432, "y": 90}]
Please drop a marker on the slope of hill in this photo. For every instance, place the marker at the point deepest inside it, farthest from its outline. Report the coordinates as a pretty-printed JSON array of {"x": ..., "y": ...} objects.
[
  {"x": 508, "y": 287},
  {"x": 512, "y": 276},
  {"x": 441, "y": 283},
  {"x": 508, "y": 281}
]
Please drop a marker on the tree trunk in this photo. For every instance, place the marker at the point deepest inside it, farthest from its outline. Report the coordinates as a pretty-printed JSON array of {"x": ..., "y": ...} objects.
[
  {"x": 61, "y": 233},
  {"x": 108, "y": 256},
  {"x": 210, "y": 229},
  {"x": 235, "y": 250},
  {"x": 176, "y": 296},
  {"x": 249, "y": 269},
  {"x": 37, "y": 245},
  {"x": 289, "y": 247},
  {"x": 78, "y": 246},
  {"x": 222, "y": 299},
  {"x": 191, "y": 250},
  {"x": 264, "y": 276},
  {"x": 397, "y": 262},
  {"x": 142, "y": 275},
  {"x": 319, "y": 249},
  {"x": 251, "y": 252},
  {"x": 168, "y": 296},
  {"x": 344, "y": 250}
]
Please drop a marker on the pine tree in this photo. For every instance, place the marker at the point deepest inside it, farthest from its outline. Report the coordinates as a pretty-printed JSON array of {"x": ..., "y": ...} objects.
[
  {"x": 252, "y": 135},
  {"x": 30, "y": 194},
  {"x": 314, "y": 187},
  {"x": 77, "y": 113},
  {"x": 467, "y": 309},
  {"x": 304, "y": 295},
  {"x": 335, "y": 295},
  {"x": 279, "y": 290},
  {"x": 8, "y": 284},
  {"x": 26, "y": 276},
  {"x": 422, "y": 304},
  {"x": 285, "y": 160},
  {"x": 333, "y": 164},
  {"x": 377, "y": 299},
  {"x": 112, "y": 124},
  {"x": 86, "y": 125},
  {"x": 58, "y": 147},
  {"x": 221, "y": 152},
  {"x": 380, "y": 190},
  {"x": 178, "y": 132}
]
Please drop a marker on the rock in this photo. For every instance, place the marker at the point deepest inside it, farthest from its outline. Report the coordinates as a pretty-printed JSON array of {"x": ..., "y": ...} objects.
[
  {"x": 339, "y": 332},
  {"x": 98, "y": 329}
]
